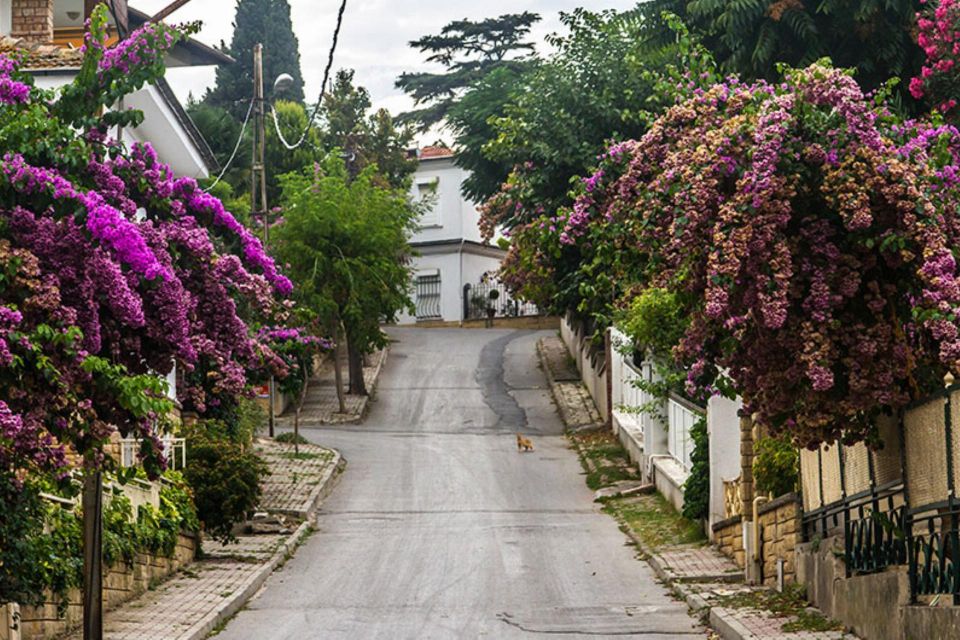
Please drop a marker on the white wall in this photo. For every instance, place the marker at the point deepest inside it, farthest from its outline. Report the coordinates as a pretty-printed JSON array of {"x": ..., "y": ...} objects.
[
  {"x": 723, "y": 426},
  {"x": 453, "y": 217},
  {"x": 160, "y": 127},
  {"x": 455, "y": 271},
  {"x": 5, "y": 17}
]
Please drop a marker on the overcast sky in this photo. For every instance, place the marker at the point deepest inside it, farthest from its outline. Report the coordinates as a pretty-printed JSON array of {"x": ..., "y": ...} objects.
[{"x": 373, "y": 40}]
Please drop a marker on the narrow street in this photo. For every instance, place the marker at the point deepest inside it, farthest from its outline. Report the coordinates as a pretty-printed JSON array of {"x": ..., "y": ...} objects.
[{"x": 441, "y": 529}]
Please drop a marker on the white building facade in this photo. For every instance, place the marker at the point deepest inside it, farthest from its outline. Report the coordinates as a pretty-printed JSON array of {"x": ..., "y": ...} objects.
[{"x": 450, "y": 253}]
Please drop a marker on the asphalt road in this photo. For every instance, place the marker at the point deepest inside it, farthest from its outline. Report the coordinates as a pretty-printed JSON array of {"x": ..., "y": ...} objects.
[{"x": 441, "y": 529}]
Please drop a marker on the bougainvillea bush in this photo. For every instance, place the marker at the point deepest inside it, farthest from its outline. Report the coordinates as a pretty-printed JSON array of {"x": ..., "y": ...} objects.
[
  {"x": 811, "y": 235},
  {"x": 938, "y": 34},
  {"x": 112, "y": 271}
]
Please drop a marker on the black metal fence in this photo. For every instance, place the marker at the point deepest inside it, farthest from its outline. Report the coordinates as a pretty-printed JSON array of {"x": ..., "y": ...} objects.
[
  {"x": 903, "y": 524},
  {"x": 428, "y": 297},
  {"x": 491, "y": 299}
]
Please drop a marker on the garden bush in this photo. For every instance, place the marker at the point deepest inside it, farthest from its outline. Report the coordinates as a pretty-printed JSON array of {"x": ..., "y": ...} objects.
[
  {"x": 224, "y": 476},
  {"x": 696, "y": 490}
]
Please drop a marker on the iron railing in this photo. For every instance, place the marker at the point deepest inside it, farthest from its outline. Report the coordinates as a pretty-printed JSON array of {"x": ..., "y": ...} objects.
[
  {"x": 933, "y": 543},
  {"x": 428, "y": 298},
  {"x": 491, "y": 299}
]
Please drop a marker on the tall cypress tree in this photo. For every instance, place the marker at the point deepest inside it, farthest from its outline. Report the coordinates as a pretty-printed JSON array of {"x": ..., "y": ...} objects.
[{"x": 267, "y": 22}]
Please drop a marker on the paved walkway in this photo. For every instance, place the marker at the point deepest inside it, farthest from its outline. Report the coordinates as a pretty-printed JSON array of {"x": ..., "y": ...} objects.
[
  {"x": 441, "y": 529},
  {"x": 322, "y": 406},
  {"x": 196, "y": 600}
]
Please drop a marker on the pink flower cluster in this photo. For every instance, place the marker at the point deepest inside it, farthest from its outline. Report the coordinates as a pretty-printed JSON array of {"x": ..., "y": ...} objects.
[
  {"x": 811, "y": 236},
  {"x": 939, "y": 37}
]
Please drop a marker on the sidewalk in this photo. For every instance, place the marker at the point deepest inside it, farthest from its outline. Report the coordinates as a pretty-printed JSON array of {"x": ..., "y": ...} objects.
[
  {"x": 676, "y": 548},
  {"x": 201, "y": 597},
  {"x": 321, "y": 405}
]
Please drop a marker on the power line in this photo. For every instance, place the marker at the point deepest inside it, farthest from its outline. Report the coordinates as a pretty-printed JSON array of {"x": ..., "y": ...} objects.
[
  {"x": 226, "y": 167},
  {"x": 323, "y": 87}
]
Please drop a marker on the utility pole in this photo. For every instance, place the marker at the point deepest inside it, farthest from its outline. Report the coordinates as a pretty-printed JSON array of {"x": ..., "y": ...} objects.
[
  {"x": 92, "y": 555},
  {"x": 258, "y": 178}
]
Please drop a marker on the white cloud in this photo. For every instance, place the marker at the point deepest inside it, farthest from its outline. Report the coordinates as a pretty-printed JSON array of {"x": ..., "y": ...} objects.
[{"x": 374, "y": 40}]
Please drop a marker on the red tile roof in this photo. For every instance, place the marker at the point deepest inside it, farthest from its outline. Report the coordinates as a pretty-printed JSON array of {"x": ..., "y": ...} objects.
[
  {"x": 428, "y": 153},
  {"x": 40, "y": 56}
]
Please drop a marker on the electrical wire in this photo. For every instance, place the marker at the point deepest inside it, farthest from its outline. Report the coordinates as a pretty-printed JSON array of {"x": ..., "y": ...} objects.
[
  {"x": 323, "y": 88},
  {"x": 236, "y": 148}
]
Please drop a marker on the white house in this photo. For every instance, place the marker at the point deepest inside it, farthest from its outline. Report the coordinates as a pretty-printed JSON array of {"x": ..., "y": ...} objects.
[
  {"x": 451, "y": 252},
  {"x": 49, "y": 34}
]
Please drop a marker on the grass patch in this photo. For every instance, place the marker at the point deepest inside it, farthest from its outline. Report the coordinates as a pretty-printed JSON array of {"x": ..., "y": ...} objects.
[
  {"x": 301, "y": 456},
  {"x": 650, "y": 517},
  {"x": 792, "y": 603},
  {"x": 655, "y": 521},
  {"x": 603, "y": 458},
  {"x": 291, "y": 438}
]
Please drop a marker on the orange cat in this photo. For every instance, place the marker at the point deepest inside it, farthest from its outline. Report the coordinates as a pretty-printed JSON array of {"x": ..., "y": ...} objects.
[{"x": 524, "y": 444}]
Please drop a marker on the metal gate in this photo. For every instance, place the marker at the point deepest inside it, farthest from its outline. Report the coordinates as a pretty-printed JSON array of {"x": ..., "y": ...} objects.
[
  {"x": 428, "y": 297},
  {"x": 490, "y": 298}
]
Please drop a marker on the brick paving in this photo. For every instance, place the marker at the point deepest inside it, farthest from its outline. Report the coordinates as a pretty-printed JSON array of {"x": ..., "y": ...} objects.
[
  {"x": 696, "y": 564},
  {"x": 293, "y": 478},
  {"x": 191, "y": 603},
  {"x": 750, "y": 624},
  {"x": 173, "y": 610},
  {"x": 571, "y": 397},
  {"x": 321, "y": 405}
]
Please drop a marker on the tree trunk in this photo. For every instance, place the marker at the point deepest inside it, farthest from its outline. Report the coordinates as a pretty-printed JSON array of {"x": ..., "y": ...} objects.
[
  {"x": 355, "y": 357},
  {"x": 296, "y": 416},
  {"x": 337, "y": 373}
]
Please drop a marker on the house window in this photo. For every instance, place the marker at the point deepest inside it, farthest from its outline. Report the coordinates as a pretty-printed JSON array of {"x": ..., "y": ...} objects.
[
  {"x": 428, "y": 296},
  {"x": 428, "y": 192}
]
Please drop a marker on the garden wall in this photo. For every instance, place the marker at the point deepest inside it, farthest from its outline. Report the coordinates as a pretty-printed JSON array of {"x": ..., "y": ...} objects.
[
  {"x": 591, "y": 363},
  {"x": 779, "y": 522},
  {"x": 121, "y": 582},
  {"x": 728, "y": 536}
]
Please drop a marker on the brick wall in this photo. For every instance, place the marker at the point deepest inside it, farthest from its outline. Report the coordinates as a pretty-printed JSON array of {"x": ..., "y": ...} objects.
[
  {"x": 728, "y": 536},
  {"x": 32, "y": 20},
  {"x": 779, "y": 522},
  {"x": 121, "y": 583}
]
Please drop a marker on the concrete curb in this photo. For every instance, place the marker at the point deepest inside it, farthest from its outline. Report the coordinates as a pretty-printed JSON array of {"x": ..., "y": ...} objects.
[
  {"x": 728, "y": 628},
  {"x": 253, "y": 584}
]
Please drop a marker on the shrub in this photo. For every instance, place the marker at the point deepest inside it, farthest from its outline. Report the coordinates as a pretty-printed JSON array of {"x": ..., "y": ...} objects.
[
  {"x": 776, "y": 466},
  {"x": 696, "y": 490},
  {"x": 224, "y": 476},
  {"x": 291, "y": 438}
]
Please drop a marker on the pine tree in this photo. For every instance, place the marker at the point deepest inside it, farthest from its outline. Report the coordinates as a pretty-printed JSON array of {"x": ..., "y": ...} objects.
[
  {"x": 267, "y": 22},
  {"x": 469, "y": 50}
]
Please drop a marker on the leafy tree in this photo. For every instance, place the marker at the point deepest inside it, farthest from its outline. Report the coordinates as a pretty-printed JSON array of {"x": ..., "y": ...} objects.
[
  {"x": 366, "y": 140},
  {"x": 469, "y": 50},
  {"x": 594, "y": 88},
  {"x": 472, "y": 120},
  {"x": 345, "y": 241},
  {"x": 751, "y": 37},
  {"x": 258, "y": 21}
]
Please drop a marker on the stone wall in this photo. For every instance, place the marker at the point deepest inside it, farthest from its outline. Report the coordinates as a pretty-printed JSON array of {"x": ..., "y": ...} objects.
[
  {"x": 32, "y": 20},
  {"x": 121, "y": 583},
  {"x": 728, "y": 536},
  {"x": 779, "y": 522}
]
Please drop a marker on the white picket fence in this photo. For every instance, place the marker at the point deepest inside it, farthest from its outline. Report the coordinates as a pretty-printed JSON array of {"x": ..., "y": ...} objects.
[
  {"x": 681, "y": 418},
  {"x": 628, "y": 398}
]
